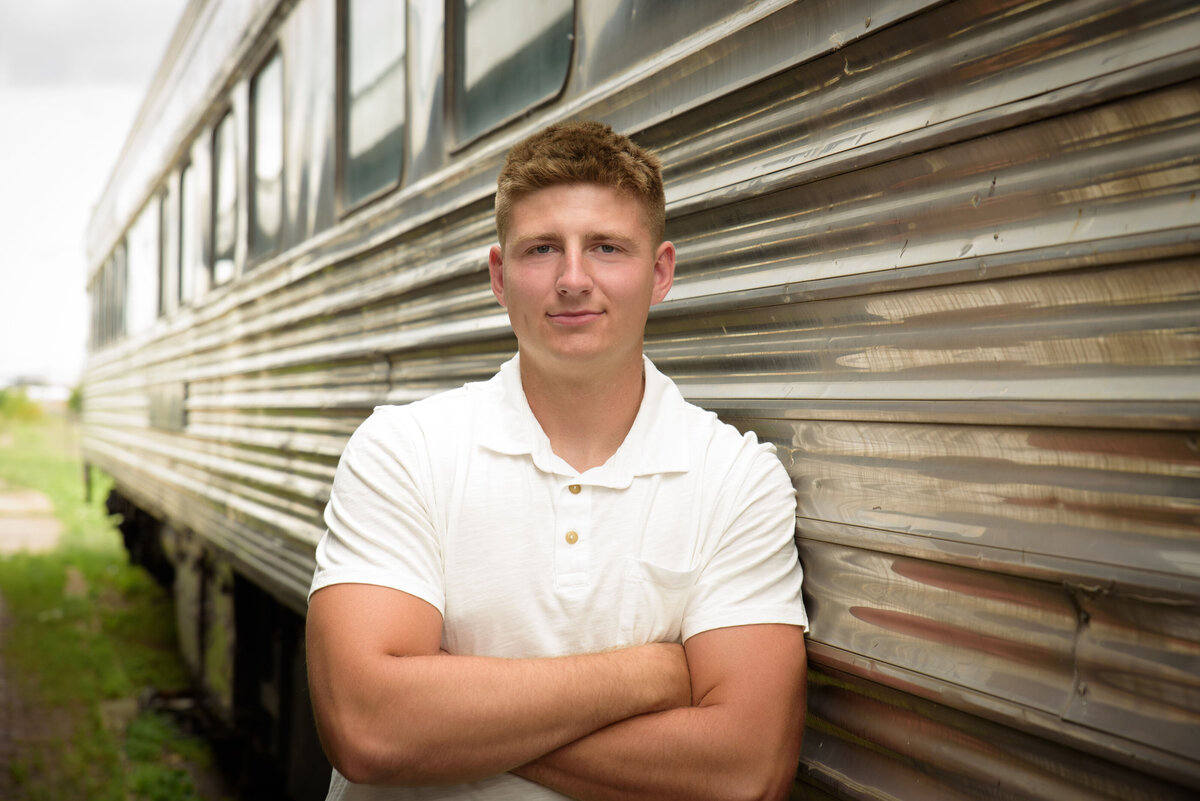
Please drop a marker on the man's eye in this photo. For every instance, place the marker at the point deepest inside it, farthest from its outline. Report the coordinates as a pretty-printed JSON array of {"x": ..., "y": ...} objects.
[
  {"x": 542, "y": 249},
  {"x": 608, "y": 248}
]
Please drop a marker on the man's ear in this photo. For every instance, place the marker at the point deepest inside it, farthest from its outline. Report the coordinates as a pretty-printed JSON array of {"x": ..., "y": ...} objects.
[
  {"x": 664, "y": 272},
  {"x": 496, "y": 271}
]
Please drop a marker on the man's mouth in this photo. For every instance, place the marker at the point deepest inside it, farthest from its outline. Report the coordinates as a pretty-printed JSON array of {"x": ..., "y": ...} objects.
[{"x": 575, "y": 317}]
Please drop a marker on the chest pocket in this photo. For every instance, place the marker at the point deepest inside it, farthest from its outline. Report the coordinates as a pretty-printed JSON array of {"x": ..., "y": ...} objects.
[{"x": 653, "y": 600}]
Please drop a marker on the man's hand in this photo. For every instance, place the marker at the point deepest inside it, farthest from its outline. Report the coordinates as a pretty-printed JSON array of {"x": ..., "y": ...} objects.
[{"x": 392, "y": 708}]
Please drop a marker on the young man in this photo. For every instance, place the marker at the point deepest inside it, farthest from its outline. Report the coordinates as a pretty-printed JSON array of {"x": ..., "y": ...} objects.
[{"x": 565, "y": 581}]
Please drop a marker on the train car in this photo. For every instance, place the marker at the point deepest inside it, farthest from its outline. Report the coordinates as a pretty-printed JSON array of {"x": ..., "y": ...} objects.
[{"x": 945, "y": 255}]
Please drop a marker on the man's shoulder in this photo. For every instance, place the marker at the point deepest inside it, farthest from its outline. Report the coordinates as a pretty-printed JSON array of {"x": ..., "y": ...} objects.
[
  {"x": 728, "y": 461},
  {"x": 706, "y": 431},
  {"x": 437, "y": 417}
]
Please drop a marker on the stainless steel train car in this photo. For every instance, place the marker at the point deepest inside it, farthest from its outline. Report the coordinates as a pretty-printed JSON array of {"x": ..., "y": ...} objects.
[{"x": 945, "y": 255}]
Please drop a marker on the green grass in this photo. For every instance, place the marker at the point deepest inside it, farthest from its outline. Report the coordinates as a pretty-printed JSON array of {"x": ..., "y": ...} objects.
[{"x": 87, "y": 629}]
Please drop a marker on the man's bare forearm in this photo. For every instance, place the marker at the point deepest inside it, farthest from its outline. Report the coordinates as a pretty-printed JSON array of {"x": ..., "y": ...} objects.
[
  {"x": 675, "y": 754},
  {"x": 437, "y": 719},
  {"x": 741, "y": 740}
]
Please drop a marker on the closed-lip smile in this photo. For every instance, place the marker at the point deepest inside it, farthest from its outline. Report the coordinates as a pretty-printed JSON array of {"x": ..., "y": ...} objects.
[{"x": 574, "y": 316}]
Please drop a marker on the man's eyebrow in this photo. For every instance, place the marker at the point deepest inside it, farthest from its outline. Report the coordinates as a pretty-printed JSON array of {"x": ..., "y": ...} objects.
[
  {"x": 592, "y": 236},
  {"x": 605, "y": 236},
  {"x": 546, "y": 237}
]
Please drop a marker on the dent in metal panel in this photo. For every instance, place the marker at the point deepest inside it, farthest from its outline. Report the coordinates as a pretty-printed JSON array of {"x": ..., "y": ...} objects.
[
  {"x": 1002, "y": 636},
  {"x": 869, "y": 741},
  {"x": 1139, "y": 669},
  {"x": 1010, "y": 645}
]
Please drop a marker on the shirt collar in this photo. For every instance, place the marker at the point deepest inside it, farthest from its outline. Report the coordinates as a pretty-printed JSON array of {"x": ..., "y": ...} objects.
[{"x": 656, "y": 443}]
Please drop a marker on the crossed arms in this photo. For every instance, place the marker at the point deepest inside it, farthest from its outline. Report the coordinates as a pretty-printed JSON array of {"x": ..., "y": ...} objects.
[{"x": 719, "y": 717}]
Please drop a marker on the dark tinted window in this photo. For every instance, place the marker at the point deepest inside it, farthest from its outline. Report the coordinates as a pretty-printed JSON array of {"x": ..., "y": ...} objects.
[
  {"x": 373, "y": 91},
  {"x": 166, "y": 256},
  {"x": 509, "y": 55},
  {"x": 224, "y": 208},
  {"x": 190, "y": 251},
  {"x": 266, "y": 152}
]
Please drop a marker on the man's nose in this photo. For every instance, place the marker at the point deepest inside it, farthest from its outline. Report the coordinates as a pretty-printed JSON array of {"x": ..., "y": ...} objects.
[{"x": 574, "y": 278}]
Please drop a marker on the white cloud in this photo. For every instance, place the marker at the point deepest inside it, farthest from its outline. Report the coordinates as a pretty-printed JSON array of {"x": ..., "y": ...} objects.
[
  {"x": 52, "y": 42},
  {"x": 72, "y": 77},
  {"x": 55, "y": 162}
]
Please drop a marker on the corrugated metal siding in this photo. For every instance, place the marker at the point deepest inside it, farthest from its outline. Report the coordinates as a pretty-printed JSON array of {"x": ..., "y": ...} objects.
[{"x": 950, "y": 269}]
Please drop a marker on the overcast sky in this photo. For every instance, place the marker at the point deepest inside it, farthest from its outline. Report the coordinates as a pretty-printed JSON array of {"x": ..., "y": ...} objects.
[{"x": 72, "y": 77}]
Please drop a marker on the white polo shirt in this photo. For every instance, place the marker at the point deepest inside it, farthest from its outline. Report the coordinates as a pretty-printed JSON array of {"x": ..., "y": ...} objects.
[{"x": 459, "y": 500}]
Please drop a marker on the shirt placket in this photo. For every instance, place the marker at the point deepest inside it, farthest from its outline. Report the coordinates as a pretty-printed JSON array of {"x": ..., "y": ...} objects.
[{"x": 573, "y": 534}]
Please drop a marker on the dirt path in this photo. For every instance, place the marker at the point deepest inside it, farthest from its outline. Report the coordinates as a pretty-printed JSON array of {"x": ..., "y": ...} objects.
[{"x": 27, "y": 521}]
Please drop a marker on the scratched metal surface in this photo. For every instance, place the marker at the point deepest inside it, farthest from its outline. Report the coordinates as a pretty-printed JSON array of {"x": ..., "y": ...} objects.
[{"x": 946, "y": 256}]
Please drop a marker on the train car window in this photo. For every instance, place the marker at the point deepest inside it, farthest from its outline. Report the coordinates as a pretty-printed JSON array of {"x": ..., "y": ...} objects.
[
  {"x": 224, "y": 193},
  {"x": 190, "y": 255},
  {"x": 166, "y": 230},
  {"x": 100, "y": 307},
  {"x": 91, "y": 290},
  {"x": 116, "y": 294},
  {"x": 510, "y": 55},
  {"x": 266, "y": 158},
  {"x": 142, "y": 270},
  {"x": 373, "y": 97},
  {"x": 106, "y": 302}
]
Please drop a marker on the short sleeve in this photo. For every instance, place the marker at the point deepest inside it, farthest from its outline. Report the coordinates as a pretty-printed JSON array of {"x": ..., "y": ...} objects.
[
  {"x": 754, "y": 574},
  {"x": 379, "y": 523}
]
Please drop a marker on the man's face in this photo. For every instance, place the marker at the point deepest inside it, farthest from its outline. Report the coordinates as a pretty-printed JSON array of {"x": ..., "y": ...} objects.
[{"x": 578, "y": 273}]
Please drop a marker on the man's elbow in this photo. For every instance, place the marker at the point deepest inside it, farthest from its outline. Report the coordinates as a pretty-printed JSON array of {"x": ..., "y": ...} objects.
[
  {"x": 765, "y": 775},
  {"x": 357, "y": 753},
  {"x": 350, "y": 751},
  {"x": 772, "y": 785},
  {"x": 359, "y": 765}
]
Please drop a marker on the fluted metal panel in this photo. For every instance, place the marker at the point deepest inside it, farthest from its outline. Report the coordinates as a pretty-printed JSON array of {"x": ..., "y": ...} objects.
[{"x": 946, "y": 256}]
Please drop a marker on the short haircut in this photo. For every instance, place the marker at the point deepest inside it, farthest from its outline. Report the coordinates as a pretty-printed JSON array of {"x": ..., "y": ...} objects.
[{"x": 581, "y": 152}]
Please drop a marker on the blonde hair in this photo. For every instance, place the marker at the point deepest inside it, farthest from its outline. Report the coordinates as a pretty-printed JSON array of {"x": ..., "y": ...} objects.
[{"x": 581, "y": 152}]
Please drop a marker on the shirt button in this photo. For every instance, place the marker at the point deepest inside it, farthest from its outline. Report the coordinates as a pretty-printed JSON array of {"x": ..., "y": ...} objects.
[
  {"x": 572, "y": 538},
  {"x": 575, "y": 489}
]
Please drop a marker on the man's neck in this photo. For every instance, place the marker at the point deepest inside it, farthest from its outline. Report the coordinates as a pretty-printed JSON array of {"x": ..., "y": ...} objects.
[{"x": 585, "y": 415}]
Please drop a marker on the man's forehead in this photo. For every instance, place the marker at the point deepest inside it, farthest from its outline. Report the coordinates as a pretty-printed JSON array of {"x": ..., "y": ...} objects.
[
  {"x": 557, "y": 235},
  {"x": 534, "y": 210},
  {"x": 570, "y": 186}
]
